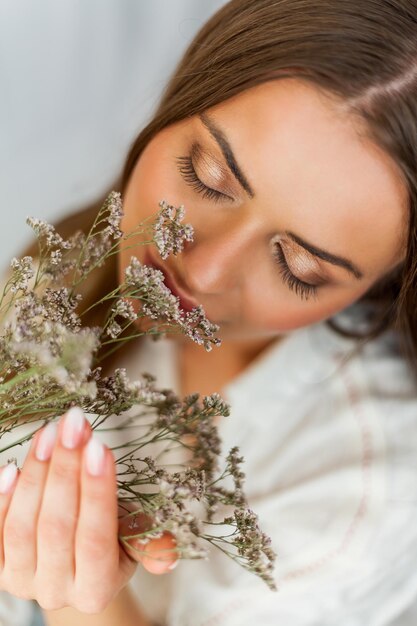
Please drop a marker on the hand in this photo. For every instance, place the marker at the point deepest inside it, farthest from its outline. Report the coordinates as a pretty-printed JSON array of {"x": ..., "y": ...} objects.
[{"x": 60, "y": 524}]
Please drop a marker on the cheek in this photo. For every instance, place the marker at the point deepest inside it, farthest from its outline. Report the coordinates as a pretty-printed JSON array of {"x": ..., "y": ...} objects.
[
  {"x": 140, "y": 201},
  {"x": 284, "y": 310},
  {"x": 155, "y": 177},
  {"x": 142, "y": 194}
]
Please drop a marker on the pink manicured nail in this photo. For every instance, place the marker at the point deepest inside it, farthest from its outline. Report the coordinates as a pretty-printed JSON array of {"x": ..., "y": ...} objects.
[
  {"x": 173, "y": 565},
  {"x": 46, "y": 441},
  {"x": 8, "y": 477},
  {"x": 73, "y": 427},
  {"x": 95, "y": 456}
]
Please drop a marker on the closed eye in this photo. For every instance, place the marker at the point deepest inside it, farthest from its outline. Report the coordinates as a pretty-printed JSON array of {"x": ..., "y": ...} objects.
[
  {"x": 305, "y": 290},
  {"x": 189, "y": 174},
  {"x": 186, "y": 168}
]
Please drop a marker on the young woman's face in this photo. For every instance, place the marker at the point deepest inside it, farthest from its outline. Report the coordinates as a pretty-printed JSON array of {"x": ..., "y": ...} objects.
[{"x": 268, "y": 178}]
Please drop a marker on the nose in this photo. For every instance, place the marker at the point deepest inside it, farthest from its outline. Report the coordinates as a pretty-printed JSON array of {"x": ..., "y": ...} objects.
[{"x": 216, "y": 261}]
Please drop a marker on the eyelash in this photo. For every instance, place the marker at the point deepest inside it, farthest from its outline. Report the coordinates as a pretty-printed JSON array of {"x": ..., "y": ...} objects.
[
  {"x": 186, "y": 168},
  {"x": 189, "y": 175},
  {"x": 305, "y": 290}
]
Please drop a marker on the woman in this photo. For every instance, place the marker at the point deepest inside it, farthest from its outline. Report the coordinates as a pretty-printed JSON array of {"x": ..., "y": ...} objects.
[{"x": 289, "y": 133}]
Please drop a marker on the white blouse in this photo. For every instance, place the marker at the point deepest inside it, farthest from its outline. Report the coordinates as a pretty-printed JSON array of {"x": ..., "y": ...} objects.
[
  {"x": 330, "y": 449},
  {"x": 331, "y": 465}
]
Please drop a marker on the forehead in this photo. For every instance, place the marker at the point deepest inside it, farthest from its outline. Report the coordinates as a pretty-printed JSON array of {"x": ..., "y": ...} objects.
[{"x": 307, "y": 161}]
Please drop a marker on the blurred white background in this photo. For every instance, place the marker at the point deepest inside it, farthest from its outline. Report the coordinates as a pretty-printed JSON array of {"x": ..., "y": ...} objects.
[{"x": 78, "y": 82}]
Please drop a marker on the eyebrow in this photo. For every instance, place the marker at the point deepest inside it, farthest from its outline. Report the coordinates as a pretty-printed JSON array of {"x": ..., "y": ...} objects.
[
  {"x": 220, "y": 137},
  {"x": 327, "y": 256}
]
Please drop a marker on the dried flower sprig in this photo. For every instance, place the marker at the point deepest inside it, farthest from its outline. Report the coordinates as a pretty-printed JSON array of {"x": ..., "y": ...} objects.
[
  {"x": 49, "y": 362},
  {"x": 170, "y": 232}
]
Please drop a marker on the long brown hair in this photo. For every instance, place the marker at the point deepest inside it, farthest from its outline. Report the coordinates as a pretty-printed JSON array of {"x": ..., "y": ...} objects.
[{"x": 363, "y": 52}]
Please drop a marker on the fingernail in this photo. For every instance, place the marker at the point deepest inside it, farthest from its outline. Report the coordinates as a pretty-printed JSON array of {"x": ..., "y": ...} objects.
[
  {"x": 46, "y": 441},
  {"x": 8, "y": 477},
  {"x": 95, "y": 456},
  {"x": 173, "y": 565},
  {"x": 73, "y": 427}
]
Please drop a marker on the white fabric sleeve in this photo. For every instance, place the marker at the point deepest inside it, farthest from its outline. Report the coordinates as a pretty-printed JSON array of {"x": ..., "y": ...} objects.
[{"x": 15, "y": 611}]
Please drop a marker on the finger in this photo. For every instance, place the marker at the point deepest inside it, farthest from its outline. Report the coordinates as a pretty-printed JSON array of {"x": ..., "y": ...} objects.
[
  {"x": 133, "y": 525},
  {"x": 19, "y": 533},
  {"x": 96, "y": 545},
  {"x": 157, "y": 555},
  {"x": 160, "y": 555},
  {"x": 60, "y": 505},
  {"x": 9, "y": 477}
]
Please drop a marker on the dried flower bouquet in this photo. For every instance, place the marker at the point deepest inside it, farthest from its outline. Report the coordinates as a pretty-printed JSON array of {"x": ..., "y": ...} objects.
[{"x": 50, "y": 362}]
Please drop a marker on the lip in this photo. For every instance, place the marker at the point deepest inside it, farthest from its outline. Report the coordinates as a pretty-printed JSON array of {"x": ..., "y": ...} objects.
[{"x": 186, "y": 302}]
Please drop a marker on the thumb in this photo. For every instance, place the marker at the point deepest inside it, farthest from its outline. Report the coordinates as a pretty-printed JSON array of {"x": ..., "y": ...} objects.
[{"x": 157, "y": 556}]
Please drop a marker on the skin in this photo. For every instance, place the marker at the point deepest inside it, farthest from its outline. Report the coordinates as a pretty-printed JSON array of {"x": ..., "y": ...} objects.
[{"x": 313, "y": 173}]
